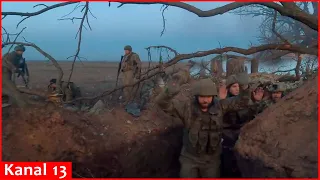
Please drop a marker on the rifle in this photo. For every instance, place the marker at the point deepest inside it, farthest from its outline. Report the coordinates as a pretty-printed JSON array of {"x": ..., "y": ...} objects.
[
  {"x": 22, "y": 70},
  {"x": 20, "y": 73},
  {"x": 119, "y": 68}
]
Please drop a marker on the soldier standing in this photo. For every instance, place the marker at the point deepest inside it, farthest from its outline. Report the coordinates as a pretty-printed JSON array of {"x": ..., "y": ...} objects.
[
  {"x": 131, "y": 69},
  {"x": 202, "y": 119},
  {"x": 233, "y": 121}
]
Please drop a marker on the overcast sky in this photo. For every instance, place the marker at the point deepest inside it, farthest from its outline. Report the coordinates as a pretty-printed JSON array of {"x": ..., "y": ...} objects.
[{"x": 136, "y": 25}]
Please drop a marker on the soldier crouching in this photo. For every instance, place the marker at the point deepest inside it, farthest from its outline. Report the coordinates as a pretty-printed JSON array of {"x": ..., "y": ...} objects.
[{"x": 69, "y": 91}]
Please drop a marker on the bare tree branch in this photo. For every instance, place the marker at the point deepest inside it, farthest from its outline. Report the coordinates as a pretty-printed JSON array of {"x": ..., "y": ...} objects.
[
  {"x": 163, "y": 19},
  {"x": 37, "y": 12},
  {"x": 179, "y": 57},
  {"x": 288, "y": 9},
  {"x": 274, "y": 29},
  {"x": 15, "y": 39},
  {"x": 80, "y": 38},
  {"x": 166, "y": 47}
]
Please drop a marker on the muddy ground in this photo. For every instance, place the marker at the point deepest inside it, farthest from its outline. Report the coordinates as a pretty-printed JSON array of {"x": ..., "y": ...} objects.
[{"x": 111, "y": 144}]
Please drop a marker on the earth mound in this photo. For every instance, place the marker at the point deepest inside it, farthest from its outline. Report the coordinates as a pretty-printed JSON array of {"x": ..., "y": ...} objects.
[{"x": 283, "y": 140}]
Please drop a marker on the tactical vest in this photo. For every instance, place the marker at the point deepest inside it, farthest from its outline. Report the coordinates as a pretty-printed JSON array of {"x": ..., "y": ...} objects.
[{"x": 205, "y": 131}]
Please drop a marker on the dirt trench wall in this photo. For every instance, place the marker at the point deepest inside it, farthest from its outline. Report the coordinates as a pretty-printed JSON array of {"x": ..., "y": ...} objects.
[
  {"x": 283, "y": 140},
  {"x": 110, "y": 145}
]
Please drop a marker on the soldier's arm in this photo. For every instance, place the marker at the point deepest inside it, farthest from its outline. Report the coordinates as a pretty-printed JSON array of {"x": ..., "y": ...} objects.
[
  {"x": 259, "y": 106},
  {"x": 243, "y": 100},
  {"x": 136, "y": 59},
  {"x": 137, "y": 63},
  {"x": 172, "y": 106}
]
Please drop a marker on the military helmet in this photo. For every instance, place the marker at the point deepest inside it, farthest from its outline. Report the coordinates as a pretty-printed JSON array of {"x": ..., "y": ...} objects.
[
  {"x": 232, "y": 79},
  {"x": 277, "y": 87},
  {"x": 20, "y": 48},
  {"x": 127, "y": 47},
  {"x": 241, "y": 78},
  {"x": 53, "y": 81},
  {"x": 204, "y": 87}
]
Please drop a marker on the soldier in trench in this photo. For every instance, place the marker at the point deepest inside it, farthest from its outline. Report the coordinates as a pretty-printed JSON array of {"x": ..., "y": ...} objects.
[
  {"x": 233, "y": 121},
  {"x": 131, "y": 69},
  {"x": 276, "y": 91},
  {"x": 202, "y": 119},
  {"x": 69, "y": 91}
]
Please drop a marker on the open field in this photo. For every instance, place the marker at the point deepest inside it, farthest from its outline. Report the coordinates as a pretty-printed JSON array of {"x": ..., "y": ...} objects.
[{"x": 91, "y": 77}]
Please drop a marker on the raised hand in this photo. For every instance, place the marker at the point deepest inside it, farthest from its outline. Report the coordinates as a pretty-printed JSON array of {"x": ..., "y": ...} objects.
[{"x": 223, "y": 91}]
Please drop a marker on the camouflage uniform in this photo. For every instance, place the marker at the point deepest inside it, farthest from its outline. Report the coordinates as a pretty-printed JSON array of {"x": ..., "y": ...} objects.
[
  {"x": 13, "y": 63},
  {"x": 69, "y": 92},
  {"x": 276, "y": 87},
  {"x": 233, "y": 121},
  {"x": 131, "y": 69},
  {"x": 200, "y": 154}
]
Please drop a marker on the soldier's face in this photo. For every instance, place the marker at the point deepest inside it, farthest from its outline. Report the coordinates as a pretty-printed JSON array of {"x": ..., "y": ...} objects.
[
  {"x": 126, "y": 52},
  {"x": 276, "y": 96},
  {"x": 205, "y": 101},
  {"x": 234, "y": 89},
  {"x": 19, "y": 52}
]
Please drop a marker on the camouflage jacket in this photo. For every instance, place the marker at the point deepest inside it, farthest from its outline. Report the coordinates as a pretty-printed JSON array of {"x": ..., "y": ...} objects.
[
  {"x": 69, "y": 92},
  {"x": 12, "y": 60},
  {"x": 203, "y": 131},
  {"x": 261, "y": 106},
  {"x": 131, "y": 62}
]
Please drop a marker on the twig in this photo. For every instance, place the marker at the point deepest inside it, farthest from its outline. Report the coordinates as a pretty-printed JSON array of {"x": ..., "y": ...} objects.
[
  {"x": 274, "y": 29},
  {"x": 165, "y": 47},
  {"x": 163, "y": 19},
  {"x": 15, "y": 39},
  {"x": 79, "y": 40},
  {"x": 284, "y": 10}
]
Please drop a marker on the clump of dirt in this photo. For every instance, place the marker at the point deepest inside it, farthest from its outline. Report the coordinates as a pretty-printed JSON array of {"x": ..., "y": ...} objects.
[
  {"x": 282, "y": 141},
  {"x": 113, "y": 144}
]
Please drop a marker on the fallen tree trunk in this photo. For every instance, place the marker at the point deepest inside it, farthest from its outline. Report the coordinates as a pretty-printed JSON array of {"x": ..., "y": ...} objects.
[{"x": 282, "y": 141}]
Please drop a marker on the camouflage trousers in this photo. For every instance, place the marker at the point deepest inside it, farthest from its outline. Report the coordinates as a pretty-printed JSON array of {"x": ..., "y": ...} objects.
[
  {"x": 199, "y": 167},
  {"x": 129, "y": 92}
]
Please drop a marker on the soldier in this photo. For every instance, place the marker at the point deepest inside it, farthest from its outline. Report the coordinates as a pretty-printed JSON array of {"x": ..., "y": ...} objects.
[
  {"x": 232, "y": 86},
  {"x": 233, "y": 121},
  {"x": 15, "y": 63},
  {"x": 202, "y": 119},
  {"x": 131, "y": 69},
  {"x": 69, "y": 92},
  {"x": 277, "y": 92}
]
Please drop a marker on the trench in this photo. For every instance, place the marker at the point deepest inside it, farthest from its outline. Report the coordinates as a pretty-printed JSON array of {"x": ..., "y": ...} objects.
[
  {"x": 155, "y": 155},
  {"x": 39, "y": 135}
]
